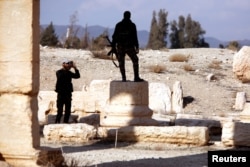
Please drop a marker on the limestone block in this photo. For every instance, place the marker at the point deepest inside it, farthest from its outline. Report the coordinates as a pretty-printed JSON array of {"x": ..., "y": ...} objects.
[
  {"x": 177, "y": 98},
  {"x": 240, "y": 100},
  {"x": 76, "y": 133},
  {"x": 19, "y": 60},
  {"x": 245, "y": 114},
  {"x": 17, "y": 119},
  {"x": 236, "y": 134},
  {"x": 213, "y": 124},
  {"x": 96, "y": 96},
  {"x": 128, "y": 110},
  {"x": 241, "y": 64},
  {"x": 18, "y": 32},
  {"x": 19, "y": 77},
  {"x": 4, "y": 164},
  {"x": 46, "y": 105},
  {"x": 160, "y": 98},
  {"x": 119, "y": 121},
  {"x": 172, "y": 134},
  {"x": 128, "y": 93}
]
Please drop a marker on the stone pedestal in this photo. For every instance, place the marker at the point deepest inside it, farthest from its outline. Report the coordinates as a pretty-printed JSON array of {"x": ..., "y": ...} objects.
[
  {"x": 19, "y": 70},
  {"x": 128, "y": 105}
]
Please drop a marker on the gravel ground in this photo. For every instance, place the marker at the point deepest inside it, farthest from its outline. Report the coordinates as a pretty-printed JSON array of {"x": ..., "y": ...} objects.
[{"x": 211, "y": 98}]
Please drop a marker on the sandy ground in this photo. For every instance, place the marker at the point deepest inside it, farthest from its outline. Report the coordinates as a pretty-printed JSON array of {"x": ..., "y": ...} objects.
[{"x": 211, "y": 98}]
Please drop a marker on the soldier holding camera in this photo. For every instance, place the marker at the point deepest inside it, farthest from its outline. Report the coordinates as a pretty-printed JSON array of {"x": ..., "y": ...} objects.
[{"x": 64, "y": 89}]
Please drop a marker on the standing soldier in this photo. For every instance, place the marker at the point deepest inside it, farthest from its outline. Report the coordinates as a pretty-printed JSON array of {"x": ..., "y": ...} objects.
[
  {"x": 64, "y": 89},
  {"x": 126, "y": 42}
]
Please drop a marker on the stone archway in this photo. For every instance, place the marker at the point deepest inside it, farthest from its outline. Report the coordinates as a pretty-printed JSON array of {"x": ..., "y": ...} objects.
[{"x": 19, "y": 85}]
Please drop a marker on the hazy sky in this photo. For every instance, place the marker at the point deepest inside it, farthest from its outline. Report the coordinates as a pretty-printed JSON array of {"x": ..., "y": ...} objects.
[{"x": 223, "y": 19}]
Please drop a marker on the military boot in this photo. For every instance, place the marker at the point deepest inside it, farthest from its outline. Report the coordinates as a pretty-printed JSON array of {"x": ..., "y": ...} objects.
[
  {"x": 123, "y": 74},
  {"x": 136, "y": 74}
]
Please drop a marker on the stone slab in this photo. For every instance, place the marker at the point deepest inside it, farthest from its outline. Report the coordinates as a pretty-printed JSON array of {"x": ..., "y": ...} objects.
[
  {"x": 236, "y": 134},
  {"x": 173, "y": 134},
  {"x": 75, "y": 133},
  {"x": 120, "y": 121}
]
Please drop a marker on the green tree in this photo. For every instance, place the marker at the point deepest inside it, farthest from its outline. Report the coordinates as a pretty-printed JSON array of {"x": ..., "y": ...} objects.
[
  {"x": 100, "y": 42},
  {"x": 153, "y": 33},
  {"x": 48, "y": 36},
  {"x": 190, "y": 34},
  {"x": 158, "y": 30},
  {"x": 174, "y": 36},
  {"x": 163, "y": 28},
  {"x": 181, "y": 31},
  {"x": 233, "y": 45}
]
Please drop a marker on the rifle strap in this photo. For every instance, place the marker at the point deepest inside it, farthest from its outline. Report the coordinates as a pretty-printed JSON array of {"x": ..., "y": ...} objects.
[{"x": 114, "y": 60}]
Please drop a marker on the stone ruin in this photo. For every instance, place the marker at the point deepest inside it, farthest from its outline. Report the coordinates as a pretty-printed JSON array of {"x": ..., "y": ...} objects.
[
  {"x": 19, "y": 66},
  {"x": 124, "y": 112}
]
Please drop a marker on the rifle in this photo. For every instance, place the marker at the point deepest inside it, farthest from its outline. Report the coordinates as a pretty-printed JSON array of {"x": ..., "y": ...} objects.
[{"x": 112, "y": 51}]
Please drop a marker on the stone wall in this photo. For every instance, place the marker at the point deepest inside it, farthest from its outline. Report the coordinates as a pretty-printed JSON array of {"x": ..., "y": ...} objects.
[{"x": 19, "y": 71}]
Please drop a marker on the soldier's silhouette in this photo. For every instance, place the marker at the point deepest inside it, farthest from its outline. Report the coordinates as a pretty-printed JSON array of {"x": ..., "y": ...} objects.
[{"x": 125, "y": 41}]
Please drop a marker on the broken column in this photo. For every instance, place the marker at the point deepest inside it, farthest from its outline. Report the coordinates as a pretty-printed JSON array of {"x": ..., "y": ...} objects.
[
  {"x": 177, "y": 98},
  {"x": 19, "y": 70},
  {"x": 128, "y": 105}
]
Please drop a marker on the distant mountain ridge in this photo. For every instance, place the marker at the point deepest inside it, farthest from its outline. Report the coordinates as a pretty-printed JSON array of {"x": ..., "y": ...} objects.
[{"x": 143, "y": 35}]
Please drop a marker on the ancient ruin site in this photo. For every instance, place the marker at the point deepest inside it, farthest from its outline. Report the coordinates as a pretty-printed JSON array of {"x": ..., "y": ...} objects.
[{"x": 192, "y": 101}]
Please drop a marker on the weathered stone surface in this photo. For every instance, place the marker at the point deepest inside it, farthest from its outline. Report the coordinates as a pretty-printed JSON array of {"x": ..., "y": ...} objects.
[
  {"x": 119, "y": 121},
  {"x": 177, "y": 98},
  {"x": 128, "y": 105},
  {"x": 96, "y": 96},
  {"x": 241, "y": 64},
  {"x": 213, "y": 124},
  {"x": 160, "y": 98},
  {"x": 245, "y": 114},
  {"x": 4, "y": 164},
  {"x": 77, "y": 133},
  {"x": 17, "y": 111},
  {"x": 19, "y": 69},
  {"x": 173, "y": 134},
  {"x": 19, "y": 66},
  {"x": 128, "y": 110},
  {"x": 19, "y": 82},
  {"x": 240, "y": 100},
  {"x": 236, "y": 134},
  {"x": 197, "y": 122},
  {"x": 128, "y": 93}
]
